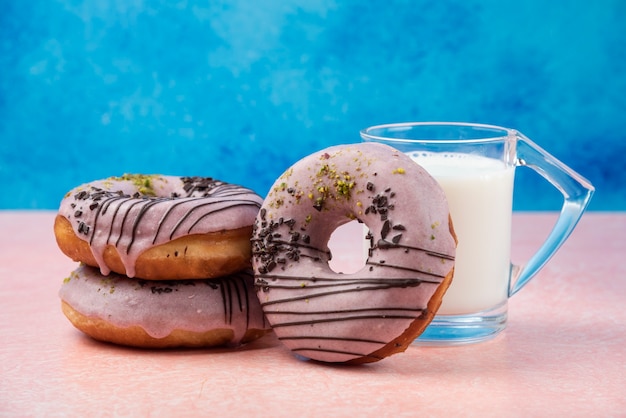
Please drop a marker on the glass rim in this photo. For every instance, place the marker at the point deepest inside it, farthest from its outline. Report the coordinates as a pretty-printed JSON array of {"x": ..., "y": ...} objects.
[{"x": 504, "y": 133}]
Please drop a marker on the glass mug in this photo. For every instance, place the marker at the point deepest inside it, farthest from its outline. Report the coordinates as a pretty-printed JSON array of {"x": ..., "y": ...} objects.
[{"x": 475, "y": 165}]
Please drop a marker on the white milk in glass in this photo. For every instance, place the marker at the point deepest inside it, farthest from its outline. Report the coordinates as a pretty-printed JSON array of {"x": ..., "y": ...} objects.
[{"x": 480, "y": 196}]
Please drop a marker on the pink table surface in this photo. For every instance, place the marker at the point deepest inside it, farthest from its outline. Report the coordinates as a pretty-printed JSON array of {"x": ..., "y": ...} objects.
[{"x": 563, "y": 353}]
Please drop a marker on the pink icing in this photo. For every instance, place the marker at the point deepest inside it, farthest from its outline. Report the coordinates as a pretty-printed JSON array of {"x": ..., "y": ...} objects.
[
  {"x": 159, "y": 307},
  {"x": 135, "y": 213},
  {"x": 336, "y": 317}
]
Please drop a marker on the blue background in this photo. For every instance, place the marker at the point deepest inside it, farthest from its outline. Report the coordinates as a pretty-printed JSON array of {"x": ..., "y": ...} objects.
[{"x": 239, "y": 90}]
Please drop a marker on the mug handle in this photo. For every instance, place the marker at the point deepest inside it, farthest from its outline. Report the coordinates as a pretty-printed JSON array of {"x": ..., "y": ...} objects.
[{"x": 577, "y": 192}]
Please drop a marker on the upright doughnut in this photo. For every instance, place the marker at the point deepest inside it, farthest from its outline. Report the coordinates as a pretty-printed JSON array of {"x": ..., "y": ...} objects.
[
  {"x": 159, "y": 227},
  {"x": 379, "y": 310},
  {"x": 162, "y": 314}
]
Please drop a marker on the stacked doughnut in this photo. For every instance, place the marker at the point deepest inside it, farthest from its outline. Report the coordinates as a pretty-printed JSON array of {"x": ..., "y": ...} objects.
[{"x": 164, "y": 261}]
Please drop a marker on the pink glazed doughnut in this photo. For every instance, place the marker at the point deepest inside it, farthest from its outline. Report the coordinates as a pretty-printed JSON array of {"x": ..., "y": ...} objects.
[
  {"x": 159, "y": 227},
  {"x": 365, "y": 316},
  {"x": 163, "y": 314}
]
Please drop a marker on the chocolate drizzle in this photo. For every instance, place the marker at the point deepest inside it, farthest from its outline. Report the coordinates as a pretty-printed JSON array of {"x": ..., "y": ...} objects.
[
  {"x": 360, "y": 285},
  {"x": 304, "y": 322}
]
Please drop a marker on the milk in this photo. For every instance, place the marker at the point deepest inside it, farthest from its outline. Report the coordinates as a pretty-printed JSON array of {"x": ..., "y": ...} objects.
[{"x": 480, "y": 196}]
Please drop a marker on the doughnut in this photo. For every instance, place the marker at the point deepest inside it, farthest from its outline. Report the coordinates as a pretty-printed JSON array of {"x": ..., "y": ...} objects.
[
  {"x": 158, "y": 227},
  {"x": 378, "y": 311},
  {"x": 163, "y": 314}
]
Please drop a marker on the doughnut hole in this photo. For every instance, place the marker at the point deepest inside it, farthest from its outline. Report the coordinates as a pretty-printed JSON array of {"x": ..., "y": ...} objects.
[{"x": 348, "y": 247}]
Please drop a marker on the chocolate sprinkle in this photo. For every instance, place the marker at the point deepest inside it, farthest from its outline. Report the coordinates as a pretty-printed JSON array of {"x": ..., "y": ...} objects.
[
  {"x": 385, "y": 230},
  {"x": 83, "y": 228}
]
